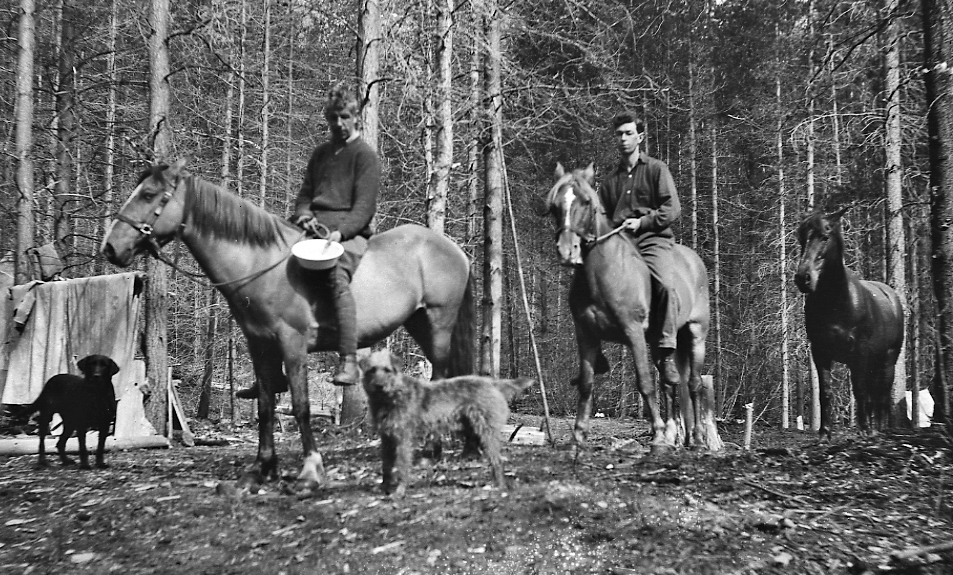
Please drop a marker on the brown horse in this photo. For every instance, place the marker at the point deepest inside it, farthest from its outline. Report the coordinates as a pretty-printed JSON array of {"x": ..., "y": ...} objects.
[
  {"x": 609, "y": 298},
  {"x": 849, "y": 320},
  {"x": 410, "y": 276}
]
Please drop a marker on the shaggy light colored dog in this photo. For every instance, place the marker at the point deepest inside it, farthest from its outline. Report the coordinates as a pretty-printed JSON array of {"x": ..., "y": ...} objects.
[{"x": 405, "y": 408}]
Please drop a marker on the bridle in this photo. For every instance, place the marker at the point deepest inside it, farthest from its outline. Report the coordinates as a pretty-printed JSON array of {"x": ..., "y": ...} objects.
[
  {"x": 585, "y": 234},
  {"x": 145, "y": 228}
]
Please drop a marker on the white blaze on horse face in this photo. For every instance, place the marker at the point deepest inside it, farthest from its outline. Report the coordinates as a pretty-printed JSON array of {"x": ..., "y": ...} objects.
[{"x": 568, "y": 199}]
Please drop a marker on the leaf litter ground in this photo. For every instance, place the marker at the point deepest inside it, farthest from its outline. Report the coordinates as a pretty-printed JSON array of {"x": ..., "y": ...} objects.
[{"x": 789, "y": 505}]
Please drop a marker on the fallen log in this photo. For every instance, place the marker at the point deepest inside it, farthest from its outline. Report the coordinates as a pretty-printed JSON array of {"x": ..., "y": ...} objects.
[{"x": 30, "y": 445}]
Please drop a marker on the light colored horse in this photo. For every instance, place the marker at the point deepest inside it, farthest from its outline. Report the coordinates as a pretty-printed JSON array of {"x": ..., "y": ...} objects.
[{"x": 410, "y": 276}]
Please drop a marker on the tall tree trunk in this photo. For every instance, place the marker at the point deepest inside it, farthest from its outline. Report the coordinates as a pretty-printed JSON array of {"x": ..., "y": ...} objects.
[
  {"x": 290, "y": 189},
  {"x": 205, "y": 395},
  {"x": 368, "y": 64},
  {"x": 476, "y": 129},
  {"x": 938, "y": 48},
  {"x": 265, "y": 107},
  {"x": 782, "y": 261},
  {"x": 24, "y": 140},
  {"x": 157, "y": 286},
  {"x": 440, "y": 179},
  {"x": 815, "y": 382},
  {"x": 692, "y": 146},
  {"x": 111, "y": 106},
  {"x": 65, "y": 131},
  {"x": 493, "y": 190},
  {"x": 893, "y": 171},
  {"x": 716, "y": 295}
]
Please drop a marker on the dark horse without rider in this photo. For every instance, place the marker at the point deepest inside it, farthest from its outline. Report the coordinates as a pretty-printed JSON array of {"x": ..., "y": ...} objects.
[
  {"x": 848, "y": 320},
  {"x": 410, "y": 276},
  {"x": 609, "y": 299}
]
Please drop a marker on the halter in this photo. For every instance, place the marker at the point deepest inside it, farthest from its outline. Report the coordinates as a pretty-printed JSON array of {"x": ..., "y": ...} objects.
[
  {"x": 586, "y": 234},
  {"x": 145, "y": 228}
]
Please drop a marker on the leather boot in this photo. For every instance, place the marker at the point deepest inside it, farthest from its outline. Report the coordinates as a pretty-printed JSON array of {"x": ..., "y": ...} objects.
[
  {"x": 667, "y": 369},
  {"x": 348, "y": 373},
  {"x": 248, "y": 392},
  {"x": 252, "y": 392}
]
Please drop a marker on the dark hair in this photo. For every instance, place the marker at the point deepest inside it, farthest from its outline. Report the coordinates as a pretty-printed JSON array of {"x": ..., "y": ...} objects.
[
  {"x": 628, "y": 118},
  {"x": 340, "y": 98}
]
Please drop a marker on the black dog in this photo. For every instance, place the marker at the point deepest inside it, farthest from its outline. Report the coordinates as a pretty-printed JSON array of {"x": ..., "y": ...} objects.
[{"x": 84, "y": 403}]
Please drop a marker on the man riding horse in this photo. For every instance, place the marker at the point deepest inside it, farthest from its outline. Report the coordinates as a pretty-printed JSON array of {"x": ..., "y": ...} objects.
[
  {"x": 339, "y": 193},
  {"x": 640, "y": 195}
]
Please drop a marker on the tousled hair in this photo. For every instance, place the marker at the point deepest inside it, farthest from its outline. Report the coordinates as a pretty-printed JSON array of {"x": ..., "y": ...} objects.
[{"x": 628, "y": 118}]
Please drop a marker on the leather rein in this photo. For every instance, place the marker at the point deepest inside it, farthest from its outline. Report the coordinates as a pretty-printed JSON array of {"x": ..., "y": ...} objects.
[{"x": 145, "y": 229}]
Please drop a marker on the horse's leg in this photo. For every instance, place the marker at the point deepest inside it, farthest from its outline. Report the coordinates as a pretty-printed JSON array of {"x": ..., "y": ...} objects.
[
  {"x": 588, "y": 353},
  {"x": 695, "y": 351},
  {"x": 295, "y": 350},
  {"x": 266, "y": 358},
  {"x": 643, "y": 374},
  {"x": 823, "y": 365}
]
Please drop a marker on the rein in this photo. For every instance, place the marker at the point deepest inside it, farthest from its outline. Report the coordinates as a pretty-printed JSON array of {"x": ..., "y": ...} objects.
[
  {"x": 155, "y": 249},
  {"x": 248, "y": 278}
]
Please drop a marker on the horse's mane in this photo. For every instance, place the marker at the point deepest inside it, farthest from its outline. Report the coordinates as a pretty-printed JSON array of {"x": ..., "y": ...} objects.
[
  {"x": 582, "y": 185},
  {"x": 214, "y": 211},
  {"x": 815, "y": 221}
]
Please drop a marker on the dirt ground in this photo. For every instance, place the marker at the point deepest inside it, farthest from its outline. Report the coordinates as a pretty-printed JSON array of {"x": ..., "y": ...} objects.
[{"x": 789, "y": 505}]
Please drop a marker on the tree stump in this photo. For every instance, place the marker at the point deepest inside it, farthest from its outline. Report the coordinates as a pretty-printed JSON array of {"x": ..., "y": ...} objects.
[{"x": 710, "y": 437}]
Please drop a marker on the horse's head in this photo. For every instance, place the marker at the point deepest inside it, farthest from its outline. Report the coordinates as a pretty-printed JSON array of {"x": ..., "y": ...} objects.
[
  {"x": 818, "y": 234},
  {"x": 150, "y": 218},
  {"x": 574, "y": 204}
]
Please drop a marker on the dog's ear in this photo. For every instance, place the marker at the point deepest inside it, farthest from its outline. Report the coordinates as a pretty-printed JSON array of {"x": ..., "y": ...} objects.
[
  {"x": 81, "y": 364},
  {"x": 113, "y": 368}
]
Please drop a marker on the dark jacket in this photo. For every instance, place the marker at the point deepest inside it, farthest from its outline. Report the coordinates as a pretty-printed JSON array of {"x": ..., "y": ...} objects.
[{"x": 647, "y": 192}]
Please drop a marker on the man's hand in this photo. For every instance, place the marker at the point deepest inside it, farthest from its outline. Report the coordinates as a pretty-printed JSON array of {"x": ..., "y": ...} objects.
[
  {"x": 335, "y": 236},
  {"x": 301, "y": 219},
  {"x": 632, "y": 224}
]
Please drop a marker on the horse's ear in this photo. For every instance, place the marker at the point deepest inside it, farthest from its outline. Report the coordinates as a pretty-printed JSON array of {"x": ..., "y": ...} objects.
[
  {"x": 590, "y": 172},
  {"x": 560, "y": 170},
  {"x": 837, "y": 215},
  {"x": 178, "y": 165}
]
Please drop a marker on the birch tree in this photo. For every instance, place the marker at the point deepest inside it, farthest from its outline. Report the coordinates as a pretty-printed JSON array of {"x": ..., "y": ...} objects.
[{"x": 24, "y": 140}]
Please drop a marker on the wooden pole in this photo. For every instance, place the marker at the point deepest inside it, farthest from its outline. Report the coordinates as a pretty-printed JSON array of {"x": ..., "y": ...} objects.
[
  {"x": 529, "y": 319},
  {"x": 749, "y": 413}
]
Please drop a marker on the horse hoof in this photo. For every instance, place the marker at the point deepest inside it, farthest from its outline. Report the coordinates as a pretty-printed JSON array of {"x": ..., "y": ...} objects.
[
  {"x": 660, "y": 449},
  {"x": 250, "y": 481}
]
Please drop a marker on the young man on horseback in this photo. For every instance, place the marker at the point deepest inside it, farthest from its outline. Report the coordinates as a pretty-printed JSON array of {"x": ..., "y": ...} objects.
[
  {"x": 640, "y": 195},
  {"x": 339, "y": 194}
]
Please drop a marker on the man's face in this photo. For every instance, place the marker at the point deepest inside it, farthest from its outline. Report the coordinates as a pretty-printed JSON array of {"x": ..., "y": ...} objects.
[
  {"x": 628, "y": 138},
  {"x": 343, "y": 124}
]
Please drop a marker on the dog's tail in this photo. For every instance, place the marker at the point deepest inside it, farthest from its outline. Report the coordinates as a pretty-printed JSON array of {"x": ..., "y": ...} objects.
[{"x": 511, "y": 387}]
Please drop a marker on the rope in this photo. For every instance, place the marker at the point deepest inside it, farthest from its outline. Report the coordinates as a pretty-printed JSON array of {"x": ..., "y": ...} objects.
[{"x": 252, "y": 276}]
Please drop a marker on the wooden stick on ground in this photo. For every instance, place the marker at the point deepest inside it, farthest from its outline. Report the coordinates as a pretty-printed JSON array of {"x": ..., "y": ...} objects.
[{"x": 529, "y": 318}]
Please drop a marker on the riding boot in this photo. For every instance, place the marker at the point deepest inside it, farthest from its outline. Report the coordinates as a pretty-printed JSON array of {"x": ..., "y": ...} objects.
[
  {"x": 347, "y": 373},
  {"x": 252, "y": 392}
]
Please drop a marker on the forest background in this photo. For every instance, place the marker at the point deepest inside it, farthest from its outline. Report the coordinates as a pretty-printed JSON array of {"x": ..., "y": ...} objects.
[{"x": 764, "y": 111}]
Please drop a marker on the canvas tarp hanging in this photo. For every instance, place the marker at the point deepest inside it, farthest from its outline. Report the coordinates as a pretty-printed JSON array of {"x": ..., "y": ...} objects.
[{"x": 47, "y": 327}]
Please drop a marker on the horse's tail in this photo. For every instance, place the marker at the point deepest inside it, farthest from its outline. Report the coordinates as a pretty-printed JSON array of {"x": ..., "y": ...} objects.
[{"x": 462, "y": 354}]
